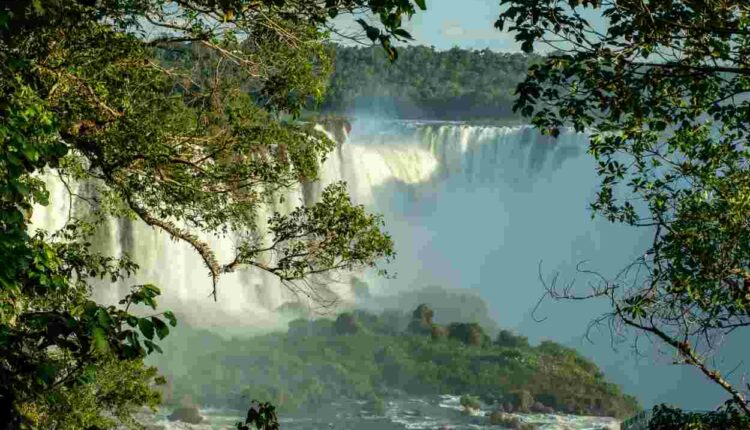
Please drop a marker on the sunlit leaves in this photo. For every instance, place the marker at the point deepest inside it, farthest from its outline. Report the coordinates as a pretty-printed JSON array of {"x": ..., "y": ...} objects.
[
  {"x": 180, "y": 127},
  {"x": 663, "y": 92},
  {"x": 332, "y": 234}
]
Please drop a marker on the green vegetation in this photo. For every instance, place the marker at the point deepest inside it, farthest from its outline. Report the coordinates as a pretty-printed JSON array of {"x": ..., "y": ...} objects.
[
  {"x": 470, "y": 402},
  {"x": 727, "y": 418},
  {"x": 663, "y": 91},
  {"x": 316, "y": 363},
  {"x": 116, "y": 390},
  {"x": 88, "y": 94},
  {"x": 262, "y": 416},
  {"x": 457, "y": 84}
]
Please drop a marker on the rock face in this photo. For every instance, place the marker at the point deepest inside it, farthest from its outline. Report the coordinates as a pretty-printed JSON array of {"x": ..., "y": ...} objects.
[
  {"x": 522, "y": 401},
  {"x": 189, "y": 415},
  {"x": 540, "y": 408},
  {"x": 421, "y": 320}
]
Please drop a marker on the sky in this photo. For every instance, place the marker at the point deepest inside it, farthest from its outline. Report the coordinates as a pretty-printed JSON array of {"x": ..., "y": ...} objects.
[
  {"x": 470, "y": 24},
  {"x": 463, "y": 23}
]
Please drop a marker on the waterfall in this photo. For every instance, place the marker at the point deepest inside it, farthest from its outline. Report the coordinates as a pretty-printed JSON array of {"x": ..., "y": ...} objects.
[{"x": 408, "y": 159}]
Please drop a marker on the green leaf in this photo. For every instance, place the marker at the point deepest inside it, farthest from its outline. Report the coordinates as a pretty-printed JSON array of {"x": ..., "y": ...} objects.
[
  {"x": 103, "y": 318},
  {"x": 421, "y": 3},
  {"x": 161, "y": 329},
  {"x": 146, "y": 327},
  {"x": 151, "y": 289},
  {"x": 151, "y": 347},
  {"x": 403, "y": 33},
  {"x": 4, "y": 18},
  {"x": 47, "y": 372},
  {"x": 172, "y": 319},
  {"x": 99, "y": 336}
]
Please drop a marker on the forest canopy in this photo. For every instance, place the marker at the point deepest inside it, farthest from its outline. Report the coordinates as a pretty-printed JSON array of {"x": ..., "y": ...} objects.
[{"x": 456, "y": 84}]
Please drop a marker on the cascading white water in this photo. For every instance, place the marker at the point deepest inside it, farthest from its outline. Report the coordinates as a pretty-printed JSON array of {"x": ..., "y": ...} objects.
[{"x": 414, "y": 157}]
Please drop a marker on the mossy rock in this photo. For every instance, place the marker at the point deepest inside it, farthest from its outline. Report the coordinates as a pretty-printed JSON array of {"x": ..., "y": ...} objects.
[
  {"x": 421, "y": 320},
  {"x": 189, "y": 414},
  {"x": 510, "y": 421},
  {"x": 522, "y": 401},
  {"x": 470, "y": 402},
  {"x": 541, "y": 408},
  {"x": 376, "y": 406}
]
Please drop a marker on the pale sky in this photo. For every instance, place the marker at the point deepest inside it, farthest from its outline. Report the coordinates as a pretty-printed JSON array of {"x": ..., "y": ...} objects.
[
  {"x": 470, "y": 24},
  {"x": 463, "y": 23}
]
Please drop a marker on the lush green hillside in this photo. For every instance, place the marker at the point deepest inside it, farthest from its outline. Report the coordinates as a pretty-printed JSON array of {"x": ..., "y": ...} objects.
[
  {"x": 423, "y": 83},
  {"x": 369, "y": 356}
]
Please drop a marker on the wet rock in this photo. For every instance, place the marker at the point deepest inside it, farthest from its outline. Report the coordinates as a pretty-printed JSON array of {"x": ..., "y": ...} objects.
[
  {"x": 540, "y": 408},
  {"x": 523, "y": 401},
  {"x": 189, "y": 414},
  {"x": 510, "y": 421}
]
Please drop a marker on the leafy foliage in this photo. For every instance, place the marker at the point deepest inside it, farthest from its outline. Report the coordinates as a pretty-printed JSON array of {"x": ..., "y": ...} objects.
[
  {"x": 508, "y": 338},
  {"x": 662, "y": 90},
  {"x": 105, "y": 401},
  {"x": 666, "y": 418},
  {"x": 100, "y": 92},
  {"x": 470, "y": 402},
  {"x": 262, "y": 416},
  {"x": 457, "y": 84}
]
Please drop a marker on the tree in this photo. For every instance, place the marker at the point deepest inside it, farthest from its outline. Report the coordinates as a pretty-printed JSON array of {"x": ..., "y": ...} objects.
[
  {"x": 461, "y": 85},
  {"x": 509, "y": 339},
  {"x": 662, "y": 92},
  {"x": 172, "y": 111}
]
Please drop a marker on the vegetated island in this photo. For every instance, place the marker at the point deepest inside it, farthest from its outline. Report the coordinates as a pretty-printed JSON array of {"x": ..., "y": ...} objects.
[{"x": 374, "y": 357}]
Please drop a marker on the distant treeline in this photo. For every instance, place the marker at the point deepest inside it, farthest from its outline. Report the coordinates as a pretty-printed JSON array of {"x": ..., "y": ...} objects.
[{"x": 425, "y": 83}]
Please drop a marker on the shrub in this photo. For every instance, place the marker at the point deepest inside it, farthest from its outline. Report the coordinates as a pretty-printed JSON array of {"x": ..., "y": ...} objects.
[
  {"x": 470, "y": 402},
  {"x": 509, "y": 339},
  {"x": 346, "y": 324},
  {"x": 727, "y": 418}
]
